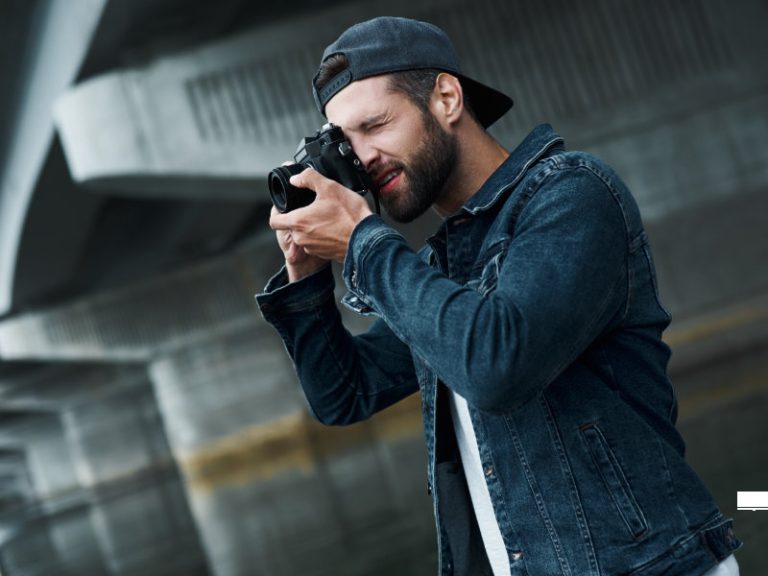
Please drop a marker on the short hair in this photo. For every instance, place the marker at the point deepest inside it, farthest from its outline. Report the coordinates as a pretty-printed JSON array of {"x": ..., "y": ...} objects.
[{"x": 417, "y": 85}]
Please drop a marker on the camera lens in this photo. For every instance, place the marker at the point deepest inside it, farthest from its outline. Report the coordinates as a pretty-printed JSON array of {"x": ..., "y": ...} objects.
[{"x": 285, "y": 196}]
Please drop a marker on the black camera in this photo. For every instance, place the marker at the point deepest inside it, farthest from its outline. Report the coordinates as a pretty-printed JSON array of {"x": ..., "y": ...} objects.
[{"x": 328, "y": 152}]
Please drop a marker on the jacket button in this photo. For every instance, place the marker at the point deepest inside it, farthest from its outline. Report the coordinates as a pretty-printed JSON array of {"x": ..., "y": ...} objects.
[
  {"x": 517, "y": 555},
  {"x": 489, "y": 471}
]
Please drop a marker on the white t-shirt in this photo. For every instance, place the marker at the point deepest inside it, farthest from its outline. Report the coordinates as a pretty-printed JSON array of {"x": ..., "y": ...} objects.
[
  {"x": 478, "y": 489},
  {"x": 728, "y": 567}
]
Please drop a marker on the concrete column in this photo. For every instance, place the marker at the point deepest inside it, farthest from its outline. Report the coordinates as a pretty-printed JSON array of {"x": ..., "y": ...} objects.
[
  {"x": 136, "y": 502},
  {"x": 275, "y": 493}
]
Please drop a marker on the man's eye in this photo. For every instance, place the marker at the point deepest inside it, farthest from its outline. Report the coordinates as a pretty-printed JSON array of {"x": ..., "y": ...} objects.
[
  {"x": 376, "y": 125},
  {"x": 379, "y": 126}
]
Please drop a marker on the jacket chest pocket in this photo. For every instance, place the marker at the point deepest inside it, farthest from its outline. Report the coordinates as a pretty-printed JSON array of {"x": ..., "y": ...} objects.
[{"x": 485, "y": 273}]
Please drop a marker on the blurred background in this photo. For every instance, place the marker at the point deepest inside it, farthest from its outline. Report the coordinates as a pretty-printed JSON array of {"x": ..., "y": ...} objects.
[{"x": 150, "y": 421}]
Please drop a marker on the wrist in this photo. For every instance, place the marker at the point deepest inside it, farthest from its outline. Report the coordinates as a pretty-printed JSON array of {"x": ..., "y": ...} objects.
[{"x": 303, "y": 269}]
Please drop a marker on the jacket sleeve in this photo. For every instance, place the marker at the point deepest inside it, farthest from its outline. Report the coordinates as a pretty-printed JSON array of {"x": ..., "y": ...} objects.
[
  {"x": 345, "y": 378},
  {"x": 561, "y": 283}
]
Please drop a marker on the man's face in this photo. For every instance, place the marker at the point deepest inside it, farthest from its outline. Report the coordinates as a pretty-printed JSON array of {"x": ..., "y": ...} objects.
[{"x": 406, "y": 151}]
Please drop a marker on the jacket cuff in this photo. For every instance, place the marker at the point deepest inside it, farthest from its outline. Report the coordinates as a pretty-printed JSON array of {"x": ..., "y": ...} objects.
[
  {"x": 366, "y": 235},
  {"x": 281, "y": 297}
]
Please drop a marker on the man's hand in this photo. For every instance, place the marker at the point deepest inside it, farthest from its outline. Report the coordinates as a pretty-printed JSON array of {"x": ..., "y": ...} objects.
[
  {"x": 298, "y": 263},
  {"x": 314, "y": 234}
]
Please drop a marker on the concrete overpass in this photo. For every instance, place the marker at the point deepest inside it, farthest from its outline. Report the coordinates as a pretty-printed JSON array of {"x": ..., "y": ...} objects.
[{"x": 149, "y": 420}]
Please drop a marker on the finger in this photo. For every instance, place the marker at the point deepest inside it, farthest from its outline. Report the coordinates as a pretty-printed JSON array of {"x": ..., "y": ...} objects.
[
  {"x": 280, "y": 221},
  {"x": 293, "y": 253},
  {"x": 309, "y": 178},
  {"x": 283, "y": 239},
  {"x": 295, "y": 219}
]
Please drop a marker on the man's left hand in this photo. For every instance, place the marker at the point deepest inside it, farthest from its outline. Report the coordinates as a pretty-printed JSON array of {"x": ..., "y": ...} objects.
[{"x": 324, "y": 227}]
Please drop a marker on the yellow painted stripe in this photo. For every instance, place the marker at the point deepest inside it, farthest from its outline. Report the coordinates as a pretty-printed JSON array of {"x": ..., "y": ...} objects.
[
  {"x": 753, "y": 385},
  {"x": 704, "y": 329},
  {"x": 294, "y": 442}
]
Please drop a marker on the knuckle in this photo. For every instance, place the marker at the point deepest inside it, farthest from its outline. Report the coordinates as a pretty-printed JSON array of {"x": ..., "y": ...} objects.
[{"x": 298, "y": 223}]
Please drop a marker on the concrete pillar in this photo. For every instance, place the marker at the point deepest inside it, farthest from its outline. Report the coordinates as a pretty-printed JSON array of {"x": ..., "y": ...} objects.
[
  {"x": 274, "y": 492},
  {"x": 136, "y": 501}
]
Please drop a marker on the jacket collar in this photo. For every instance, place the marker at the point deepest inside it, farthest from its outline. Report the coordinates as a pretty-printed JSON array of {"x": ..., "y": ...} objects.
[{"x": 536, "y": 145}]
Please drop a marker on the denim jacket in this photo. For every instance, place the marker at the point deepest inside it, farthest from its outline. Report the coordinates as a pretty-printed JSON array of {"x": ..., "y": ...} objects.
[{"x": 537, "y": 303}]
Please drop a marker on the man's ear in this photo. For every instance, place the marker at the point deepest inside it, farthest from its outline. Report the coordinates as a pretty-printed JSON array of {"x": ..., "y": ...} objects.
[{"x": 448, "y": 97}]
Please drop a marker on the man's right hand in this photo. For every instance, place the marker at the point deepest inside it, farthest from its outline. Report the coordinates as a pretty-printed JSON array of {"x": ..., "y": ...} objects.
[{"x": 298, "y": 263}]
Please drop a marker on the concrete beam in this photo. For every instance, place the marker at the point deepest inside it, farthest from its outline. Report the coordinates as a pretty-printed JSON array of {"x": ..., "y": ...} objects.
[
  {"x": 58, "y": 387},
  {"x": 144, "y": 320},
  {"x": 230, "y": 110},
  {"x": 224, "y": 114}
]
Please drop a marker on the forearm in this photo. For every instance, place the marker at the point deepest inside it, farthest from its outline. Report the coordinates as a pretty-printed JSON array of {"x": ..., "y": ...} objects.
[
  {"x": 345, "y": 378},
  {"x": 475, "y": 345},
  {"x": 555, "y": 292}
]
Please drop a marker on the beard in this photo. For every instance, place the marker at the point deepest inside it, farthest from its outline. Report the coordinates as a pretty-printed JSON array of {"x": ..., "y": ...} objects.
[{"x": 425, "y": 173}]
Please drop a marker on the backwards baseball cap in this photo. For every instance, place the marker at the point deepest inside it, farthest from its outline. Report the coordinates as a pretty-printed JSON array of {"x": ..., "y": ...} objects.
[{"x": 393, "y": 44}]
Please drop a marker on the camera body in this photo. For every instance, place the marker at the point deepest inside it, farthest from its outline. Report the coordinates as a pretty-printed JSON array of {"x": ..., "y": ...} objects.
[{"x": 328, "y": 152}]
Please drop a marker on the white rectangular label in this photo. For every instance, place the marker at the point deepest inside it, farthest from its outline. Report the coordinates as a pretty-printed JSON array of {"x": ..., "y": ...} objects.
[{"x": 752, "y": 500}]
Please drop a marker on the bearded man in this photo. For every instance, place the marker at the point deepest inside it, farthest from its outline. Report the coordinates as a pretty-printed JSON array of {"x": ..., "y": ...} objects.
[{"x": 530, "y": 323}]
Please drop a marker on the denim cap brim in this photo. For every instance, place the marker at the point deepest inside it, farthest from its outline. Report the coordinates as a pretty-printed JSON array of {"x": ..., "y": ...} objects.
[{"x": 393, "y": 44}]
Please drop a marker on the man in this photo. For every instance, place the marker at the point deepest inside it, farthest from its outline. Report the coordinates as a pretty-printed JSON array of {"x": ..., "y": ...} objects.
[{"x": 530, "y": 323}]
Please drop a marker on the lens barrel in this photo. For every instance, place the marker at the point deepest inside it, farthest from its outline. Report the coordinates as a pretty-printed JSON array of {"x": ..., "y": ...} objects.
[{"x": 285, "y": 196}]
